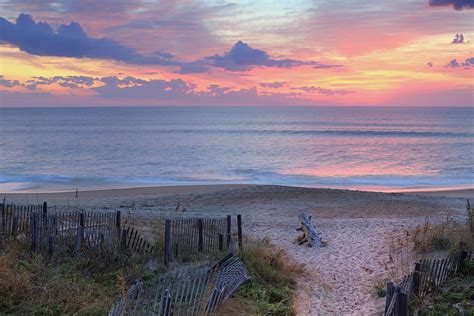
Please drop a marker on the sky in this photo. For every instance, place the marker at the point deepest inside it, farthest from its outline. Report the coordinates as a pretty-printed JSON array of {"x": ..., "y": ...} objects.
[{"x": 179, "y": 53}]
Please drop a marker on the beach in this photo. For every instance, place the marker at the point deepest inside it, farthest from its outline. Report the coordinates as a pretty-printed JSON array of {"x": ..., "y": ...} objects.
[{"x": 340, "y": 277}]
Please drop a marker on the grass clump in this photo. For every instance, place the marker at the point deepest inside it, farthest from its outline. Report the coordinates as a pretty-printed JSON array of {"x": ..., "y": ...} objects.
[
  {"x": 440, "y": 242},
  {"x": 32, "y": 284},
  {"x": 272, "y": 287},
  {"x": 455, "y": 298},
  {"x": 441, "y": 237},
  {"x": 380, "y": 288}
]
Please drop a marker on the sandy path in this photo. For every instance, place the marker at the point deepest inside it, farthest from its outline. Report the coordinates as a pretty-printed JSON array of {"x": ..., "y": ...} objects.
[{"x": 341, "y": 276}]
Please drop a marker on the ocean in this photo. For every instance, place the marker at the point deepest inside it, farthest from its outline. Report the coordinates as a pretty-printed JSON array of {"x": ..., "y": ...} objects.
[{"x": 367, "y": 148}]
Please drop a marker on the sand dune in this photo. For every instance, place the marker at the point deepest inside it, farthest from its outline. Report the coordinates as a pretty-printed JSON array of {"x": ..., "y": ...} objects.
[{"x": 340, "y": 276}]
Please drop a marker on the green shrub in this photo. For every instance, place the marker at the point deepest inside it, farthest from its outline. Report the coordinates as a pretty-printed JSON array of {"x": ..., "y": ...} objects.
[
  {"x": 455, "y": 298},
  {"x": 440, "y": 242}
]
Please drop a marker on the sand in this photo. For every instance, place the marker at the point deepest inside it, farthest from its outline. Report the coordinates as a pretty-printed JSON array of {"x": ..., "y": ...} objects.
[{"x": 340, "y": 277}]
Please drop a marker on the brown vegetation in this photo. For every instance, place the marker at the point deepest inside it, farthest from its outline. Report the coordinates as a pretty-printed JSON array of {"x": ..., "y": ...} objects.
[
  {"x": 271, "y": 290},
  {"x": 33, "y": 284}
]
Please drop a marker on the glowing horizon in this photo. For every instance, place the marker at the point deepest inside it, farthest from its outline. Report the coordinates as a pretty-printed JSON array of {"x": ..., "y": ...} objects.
[{"x": 130, "y": 53}]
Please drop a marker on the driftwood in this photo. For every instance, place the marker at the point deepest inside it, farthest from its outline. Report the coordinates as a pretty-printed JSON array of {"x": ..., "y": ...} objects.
[{"x": 310, "y": 234}]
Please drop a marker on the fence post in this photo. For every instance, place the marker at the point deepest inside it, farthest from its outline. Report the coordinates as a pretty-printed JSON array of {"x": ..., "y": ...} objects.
[
  {"x": 239, "y": 230},
  {"x": 417, "y": 279},
  {"x": 229, "y": 223},
  {"x": 117, "y": 224},
  {"x": 15, "y": 226},
  {"x": 55, "y": 226},
  {"x": 388, "y": 295},
  {"x": 45, "y": 215},
  {"x": 470, "y": 215},
  {"x": 33, "y": 231},
  {"x": 80, "y": 234},
  {"x": 402, "y": 303},
  {"x": 221, "y": 242},
  {"x": 166, "y": 251},
  {"x": 50, "y": 245},
  {"x": 3, "y": 214},
  {"x": 81, "y": 224},
  {"x": 201, "y": 235},
  {"x": 123, "y": 240},
  {"x": 461, "y": 261}
]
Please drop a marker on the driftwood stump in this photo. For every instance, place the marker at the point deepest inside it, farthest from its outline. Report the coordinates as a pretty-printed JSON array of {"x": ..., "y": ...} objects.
[{"x": 310, "y": 234}]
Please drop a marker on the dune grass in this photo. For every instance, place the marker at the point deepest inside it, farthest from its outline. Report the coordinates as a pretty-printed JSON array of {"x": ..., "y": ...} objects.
[
  {"x": 32, "y": 284},
  {"x": 456, "y": 297},
  {"x": 449, "y": 236},
  {"x": 271, "y": 290}
]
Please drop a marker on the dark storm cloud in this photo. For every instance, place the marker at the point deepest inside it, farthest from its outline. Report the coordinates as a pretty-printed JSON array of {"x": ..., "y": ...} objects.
[
  {"x": 39, "y": 38},
  {"x": 68, "y": 41},
  {"x": 242, "y": 57},
  {"x": 456, "y": 4}
]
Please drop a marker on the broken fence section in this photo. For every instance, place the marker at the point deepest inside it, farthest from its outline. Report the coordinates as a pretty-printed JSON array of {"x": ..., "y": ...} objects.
[{"x": 189, "y": 291}]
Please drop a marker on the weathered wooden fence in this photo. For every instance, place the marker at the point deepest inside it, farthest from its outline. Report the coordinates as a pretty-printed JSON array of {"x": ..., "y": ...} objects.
[
  {"x": 17, "y": 217},
  {"x": 191, "y": 236},
  {"x": 189, "y": 291},
  {"x": 132, "y": 241},
  {"x": 437, "y": 272},
  {"x": 428, "y": 274},
  {"x": 52, "y": 231},
  {"x": 396, "y": 303}
]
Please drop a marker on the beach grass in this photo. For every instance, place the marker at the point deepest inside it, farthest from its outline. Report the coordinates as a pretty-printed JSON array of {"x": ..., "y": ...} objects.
[
  {"x": 449, "y": 236},
  {"x": 32, "y": 284},
  {"x": 271, "y": 290},
  {"x": 453, "y": 298}
]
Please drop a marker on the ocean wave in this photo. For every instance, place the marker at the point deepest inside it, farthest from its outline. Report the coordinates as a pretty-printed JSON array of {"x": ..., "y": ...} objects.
[
  {"x": 360, "y": 133},
  {"x": 265, "y": 132}
]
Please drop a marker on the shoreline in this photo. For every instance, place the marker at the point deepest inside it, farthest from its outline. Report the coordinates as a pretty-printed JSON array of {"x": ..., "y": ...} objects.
[{"x": 455, "y": 192}]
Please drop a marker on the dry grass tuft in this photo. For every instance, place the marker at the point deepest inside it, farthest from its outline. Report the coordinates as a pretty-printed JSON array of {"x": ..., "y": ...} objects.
[
  {"x": 449, "y": 236},
  {"x": 32, "y": 284},
  {"x": 427, "y": 240},
  {"x": 272, "y": 287}
]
